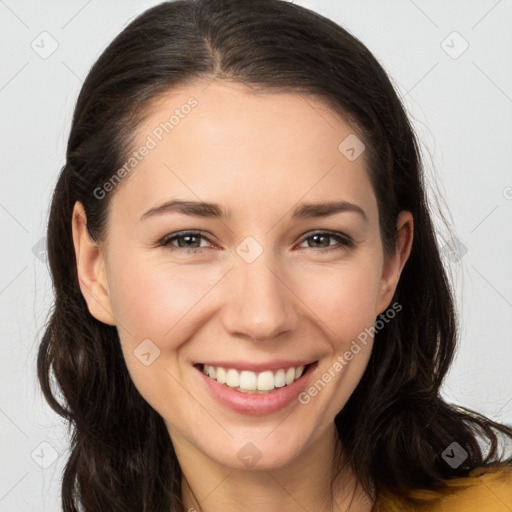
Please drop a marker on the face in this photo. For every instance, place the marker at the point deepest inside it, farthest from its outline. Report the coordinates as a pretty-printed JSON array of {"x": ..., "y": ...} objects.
[{"x": 261, "y": 285}]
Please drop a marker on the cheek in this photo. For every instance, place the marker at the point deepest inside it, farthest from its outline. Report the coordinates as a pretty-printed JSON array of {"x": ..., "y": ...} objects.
[
  {"x": 343, "y": 301},
  {"x": 342, "y": 297},
  {"x": 163, "y": 301},
  {"x": 168, "y": 304},
  {"x": 151, "y": 300},
  {"x": 156, "y": 307}
]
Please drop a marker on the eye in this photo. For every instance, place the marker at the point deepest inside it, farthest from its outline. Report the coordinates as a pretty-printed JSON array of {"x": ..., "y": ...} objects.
[
  {"x": 320, "y": 240},
  {"x": 187, "y": 241},
  {"x": 191, "y": 241}
]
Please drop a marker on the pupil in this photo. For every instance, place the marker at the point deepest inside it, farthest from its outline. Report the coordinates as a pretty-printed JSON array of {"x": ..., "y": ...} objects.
[
  {"x": 317, "y": 237},
  {"x": 186, "y": 239}
]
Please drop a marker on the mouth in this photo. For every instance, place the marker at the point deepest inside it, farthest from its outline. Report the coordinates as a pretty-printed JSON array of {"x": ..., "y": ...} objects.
[{"x": 256, "y": 383}]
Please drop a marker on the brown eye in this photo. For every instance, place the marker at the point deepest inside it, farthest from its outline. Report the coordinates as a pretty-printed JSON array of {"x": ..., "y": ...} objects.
[
  {"x": 190, "y": 240},
  {"x": 322, "y": 240}
]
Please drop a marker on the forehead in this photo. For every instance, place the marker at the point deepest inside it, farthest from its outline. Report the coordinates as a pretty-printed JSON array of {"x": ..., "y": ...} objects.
[
  {"x": 222, "y": 142},
  {"x": 223, "y": 108}
]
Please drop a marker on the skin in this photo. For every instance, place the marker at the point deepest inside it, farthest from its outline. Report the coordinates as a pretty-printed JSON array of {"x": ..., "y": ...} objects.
[{"x": 258, "y": 155}]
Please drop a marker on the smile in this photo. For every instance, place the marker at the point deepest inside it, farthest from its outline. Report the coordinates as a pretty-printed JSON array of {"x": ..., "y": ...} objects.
[
  {"x": 254, "y": 388},
  {"x": 247, "y": 381}
]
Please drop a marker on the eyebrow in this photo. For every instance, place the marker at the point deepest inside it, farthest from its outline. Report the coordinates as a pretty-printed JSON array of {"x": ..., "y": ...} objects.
[{"x": 202, "y": 209}]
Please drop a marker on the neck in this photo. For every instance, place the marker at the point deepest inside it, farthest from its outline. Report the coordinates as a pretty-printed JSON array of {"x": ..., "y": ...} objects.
[{"x": 304, "y": 483}]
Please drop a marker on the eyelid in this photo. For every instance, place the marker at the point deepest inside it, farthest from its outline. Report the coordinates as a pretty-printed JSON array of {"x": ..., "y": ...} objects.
[
  {"x": 344, "y": 241},
  {"x": 178, "y": 234}
]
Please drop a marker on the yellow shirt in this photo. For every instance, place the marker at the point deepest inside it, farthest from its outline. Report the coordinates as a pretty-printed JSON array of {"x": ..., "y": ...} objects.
[{"x": 483, "y": 490}]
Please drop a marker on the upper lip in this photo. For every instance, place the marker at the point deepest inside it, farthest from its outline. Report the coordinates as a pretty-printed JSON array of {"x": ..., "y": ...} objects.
[{"x": 258, "y": 367}]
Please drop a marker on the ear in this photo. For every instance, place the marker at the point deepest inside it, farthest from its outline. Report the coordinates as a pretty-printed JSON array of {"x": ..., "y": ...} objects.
[
  {"x": 395, "y": 262},
  {"x": 90, "y": 268}
]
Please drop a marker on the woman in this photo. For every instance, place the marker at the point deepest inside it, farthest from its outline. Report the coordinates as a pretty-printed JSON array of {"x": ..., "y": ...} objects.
[{"x": 251, "y": 312}]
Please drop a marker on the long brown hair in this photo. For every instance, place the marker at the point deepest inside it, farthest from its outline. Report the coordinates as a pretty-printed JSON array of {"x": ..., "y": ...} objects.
[{"x": 395, "y": 426}]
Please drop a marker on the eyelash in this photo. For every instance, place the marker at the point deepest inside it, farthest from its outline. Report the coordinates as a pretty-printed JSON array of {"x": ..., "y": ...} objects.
[{"x": 343, "y": 241}]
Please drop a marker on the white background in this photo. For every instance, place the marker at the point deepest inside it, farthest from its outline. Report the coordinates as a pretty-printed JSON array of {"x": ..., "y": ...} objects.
[{"x": 462, "y": 111}]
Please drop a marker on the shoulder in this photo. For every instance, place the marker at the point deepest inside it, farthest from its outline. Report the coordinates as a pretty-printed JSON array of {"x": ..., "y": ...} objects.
[{"x": 485, "y": 489}]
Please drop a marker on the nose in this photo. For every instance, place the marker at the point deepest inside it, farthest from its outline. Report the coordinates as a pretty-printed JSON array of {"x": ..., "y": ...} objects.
[{"x": 260, "y": 305}]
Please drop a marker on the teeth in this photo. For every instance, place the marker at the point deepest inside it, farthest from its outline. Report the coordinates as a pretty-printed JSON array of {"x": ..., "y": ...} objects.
[
  {"x": 221, "y": 375},
  {"x": 232, "y": 378},
  {"x": 280, "y": 379},
  {"x": 250, "y": 382},
  {"x": 266, "y": 381}
]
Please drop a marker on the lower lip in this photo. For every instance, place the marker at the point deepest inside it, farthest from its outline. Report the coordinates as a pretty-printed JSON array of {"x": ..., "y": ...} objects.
[{"x": 257, "y": 404}]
